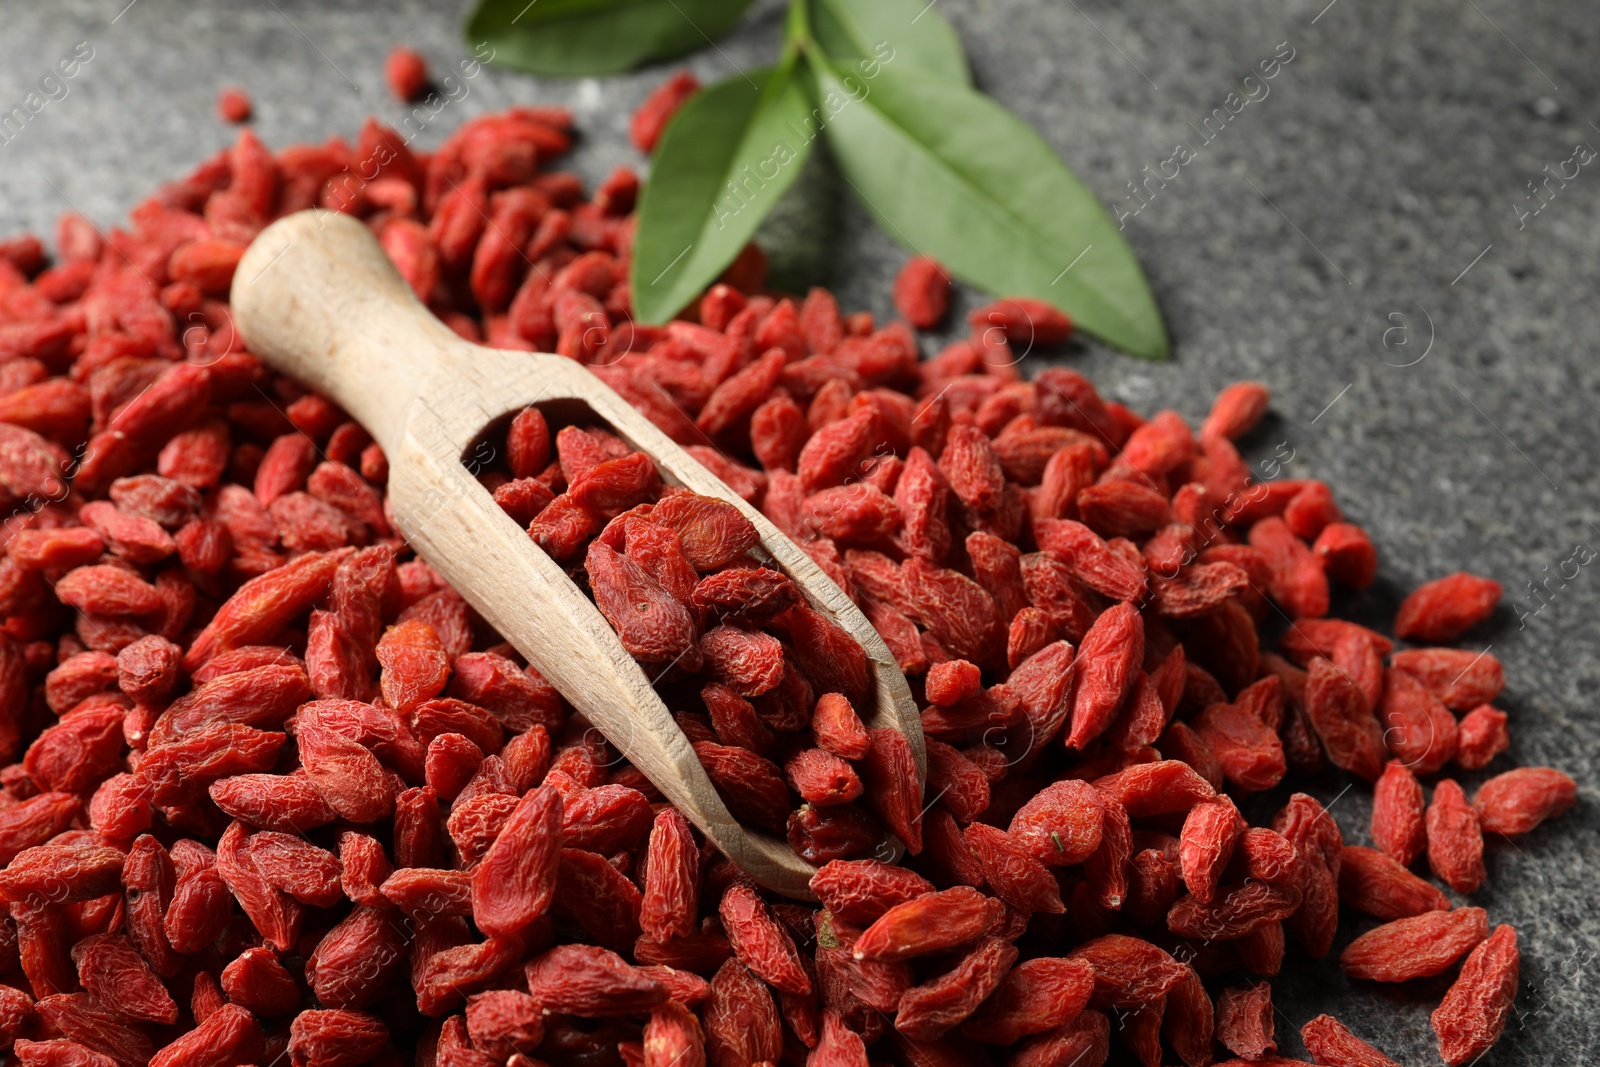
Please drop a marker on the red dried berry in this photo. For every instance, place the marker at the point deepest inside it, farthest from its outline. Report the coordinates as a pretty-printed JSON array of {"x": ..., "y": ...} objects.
[
  {"x": 838, "y": 729},
  {"x": 653, "y": 627},
  {"x": 1338, "y": 712},
  {"x": 1519, "y": 800},
  {"x": 1061, "y": 825},
  {"x": 1461, "y": 679},
  {"x": 1397, "y": 814},
  {"x": 1236, "y": 911},
  {"x": 1107, "y": 662},
  {"x": 1205, "y": 846},
  {"x": 1377, "y": 884},
  {"x": 592, "y": 982},
  {"x": 1474, "y": 1011},
  {"x": 1418, "y": 729},
  {"x": 759, "y": 942},
  {"x": 652, "y": 117},
  {"x": 713, "y": 532},
  {"x": 336, "y": 1037},
  {"x": 1481, "y": 735},
  {"x": 1306, "y": 825},
  {"x": 1347, "y": 554},
  {"x": 672, "y": 879},
  {"x": 1012, "y": 873},
  {"x": 922, "y": 292},
  {"x": 1236, "y": 410},
  {"x": 1244, "y": 1022},
  {"x": 1128, "y": 971},
  {"x": 741, "y": 1020},
  {"x": 1455, "y": 838},
  {"x": 928, "y": 1011},
  {"x": 406, "y": 74},
  {"x": 1416, "y": 946},
  {"x": 1445, "y": 608},
  {"x": 513, "y": 885},
  {"x": 1246, "y": 747},
  {"x": 925, "y": 925},
  {"x": 1023, "y": 321},
  {"x": 234, "y": 105},
  {"x": 1330, "y": 1042},
  {"x": 1297, "y": 578}
]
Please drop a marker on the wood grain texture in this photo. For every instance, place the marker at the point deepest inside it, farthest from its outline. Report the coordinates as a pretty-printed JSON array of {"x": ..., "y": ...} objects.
[{"x": 316, "y": 298}]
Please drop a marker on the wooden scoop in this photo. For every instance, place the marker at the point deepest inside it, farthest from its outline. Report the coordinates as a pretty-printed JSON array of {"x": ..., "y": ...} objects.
[{"x": 316, "y": 297}]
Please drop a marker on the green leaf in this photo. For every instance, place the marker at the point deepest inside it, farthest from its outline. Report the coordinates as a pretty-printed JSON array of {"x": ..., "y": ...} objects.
[
  {"x": 724, "y": 160},
  {"x": 951, "y": 174},
  {"x": 916, "y": 35},
  {"x": 578, "y": 37}
]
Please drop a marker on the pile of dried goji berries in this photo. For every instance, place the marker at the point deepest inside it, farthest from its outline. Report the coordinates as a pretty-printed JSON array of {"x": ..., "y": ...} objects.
[
  {"x": 281, "y": 793},
  {"x": 671, "y": 571}
]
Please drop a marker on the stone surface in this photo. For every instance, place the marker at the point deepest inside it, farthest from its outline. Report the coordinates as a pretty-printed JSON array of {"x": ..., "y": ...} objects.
[{"x": 1368, "y": 203}]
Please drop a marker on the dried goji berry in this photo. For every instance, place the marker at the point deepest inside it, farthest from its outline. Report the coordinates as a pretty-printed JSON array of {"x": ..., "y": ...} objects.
[
  {"x": 759, "y": 942},
  {"x": 1164, "y": 787},
  {"x": 1107, "y": 664},
  {"x": 1061, "y": 824},
  {"x": 753, "y": 787},
  {"x": 1445, "y": 608},
  {"x": 1248, "y": 749},
  {"x": 1455, "y": 838},
  {"x": 1128, "y": 971},
  {"x": 1481, "y": 735},
  {"x": 406, "y": 74},
  {"x": 352, "y": 962},
  {"x": 113, "y": 972},
  {"x": 1306, "y": 825},
  {"x": 1329, "y": 1041},
  {"x": 654, "y": 627},
  {"x": 922, "y": 292},
  {"x": 1519, "y": 800},
  {"x": 821, "y": 778},
  {"x": 1397, "y": 814},
  {"x": 860, "y": 891},
  {"x": 336, "y": 1037},
  {"x": 1338, "y": 712},
  {"x": 513, "y": 885},
  {"x": 956, "y": 611},
  {"x": 1205, "y": 846},
  {"x": 741, "y": 1020},
  {"x": 593, "y": 982},
  {"x": 233, "y": 105},
  {"x": 1415, "y": 946},
  {"x": 889, "y": 772},
  {"x": 1379, "y": 885},
  {"x": 928, "y": 1011},
  {"x": 1237, "y": 409},
  {"x": 228, "y": 1035},
  {"x": 925, "y": 925},
  {"x": 1244, "y": 1022},
  {"x": 1475, "y": 1009},
  {"x": 1011, "y": 871},
  {"x": 1347, "y": 554},
  {"x": 838, "y": 729},
  {"x": 1235, "y": 911},
  {"x": 713, "y": 532},
  {"x": 652, "y": 116},
  {"x": 1460, "y": 678}
]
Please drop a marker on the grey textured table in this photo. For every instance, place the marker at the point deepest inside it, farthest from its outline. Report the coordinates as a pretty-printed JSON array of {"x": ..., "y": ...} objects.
[{"x": 1355, "y": 238}]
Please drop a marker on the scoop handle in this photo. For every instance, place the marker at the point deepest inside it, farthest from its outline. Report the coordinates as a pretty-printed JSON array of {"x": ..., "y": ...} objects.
[{"x": 316, "y": 297}]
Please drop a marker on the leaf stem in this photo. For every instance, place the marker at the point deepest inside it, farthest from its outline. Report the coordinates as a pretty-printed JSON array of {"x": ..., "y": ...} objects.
[{"x": 798, "y": 37}]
